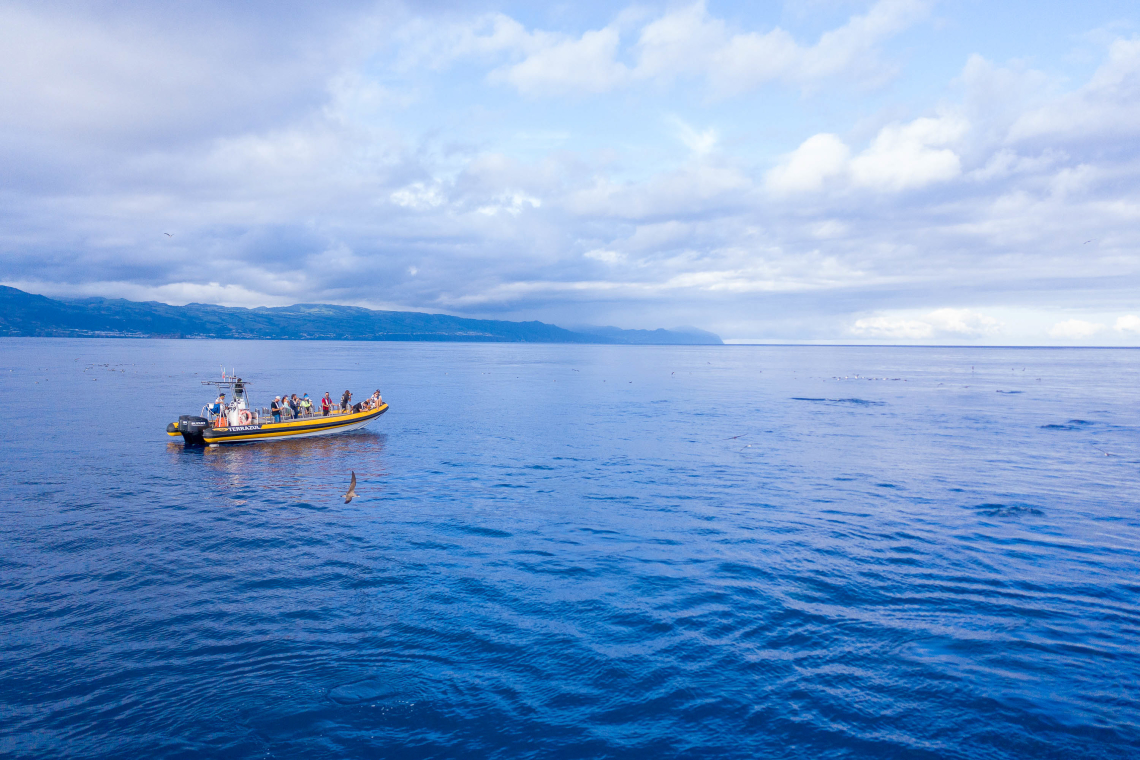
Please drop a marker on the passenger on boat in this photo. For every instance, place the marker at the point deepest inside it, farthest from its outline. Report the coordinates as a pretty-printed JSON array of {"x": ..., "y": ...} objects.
[
  {"x": 295, "y": 406},
  {"x": 326, "y": 404},
  {"x": 346, "y": 401},
  {"x": 275, "y": 408},
  {"x": 219, "y": 404},
  {"x": 307, "y": 406}
]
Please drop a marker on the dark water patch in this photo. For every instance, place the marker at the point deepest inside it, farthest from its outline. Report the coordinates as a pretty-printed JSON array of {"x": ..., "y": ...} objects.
[
  {"x": 479, "y": 530},
  {"x": 1010, "y": 393},
  {"x": 851, "y": 401},
  {"x": 1007, "y": 510},
  {"x": 375, "y": 690},
  {"x": 1070, "y": 425}
]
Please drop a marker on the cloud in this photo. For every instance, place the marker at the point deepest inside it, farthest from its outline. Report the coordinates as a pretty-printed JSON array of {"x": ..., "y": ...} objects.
[
  {"x": 1130, "y": 323},
  {"x": 963, "y": 322},
  {"x": 909, "y": 156},
  {"x": 1109, "y": 104},
  {"x": 901, "y": 157},
  {"x": 892, "y": 328},
  {"x": 808, "y": 168},
  {"x": 940, "y": 323},
  {"x": 689, "y": 42},
  {"x": 585, "y": 65},
  {"x": 684, "y": 42},
  {"x": 418, "y": 196},
  {"x": 608, "y": 257},
  {"x": 700, "y": 143},
  {"x": 1075, "y": 329}
]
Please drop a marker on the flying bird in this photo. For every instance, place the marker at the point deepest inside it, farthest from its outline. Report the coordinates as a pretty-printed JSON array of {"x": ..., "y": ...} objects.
[
  {"x": 167, "y": 234},
  {"x": 351, "y": 493}
]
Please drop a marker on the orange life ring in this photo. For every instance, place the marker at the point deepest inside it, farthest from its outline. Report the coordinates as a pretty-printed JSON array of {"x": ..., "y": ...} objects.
[{"x": 244, "y": 417}]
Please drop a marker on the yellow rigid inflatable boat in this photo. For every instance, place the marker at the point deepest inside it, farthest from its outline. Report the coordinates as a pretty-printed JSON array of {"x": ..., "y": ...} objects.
[{"x": 237, "y": 422}]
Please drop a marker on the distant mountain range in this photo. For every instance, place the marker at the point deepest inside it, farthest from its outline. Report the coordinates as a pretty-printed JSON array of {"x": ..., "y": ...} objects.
[{"x": 27, "y": 314}]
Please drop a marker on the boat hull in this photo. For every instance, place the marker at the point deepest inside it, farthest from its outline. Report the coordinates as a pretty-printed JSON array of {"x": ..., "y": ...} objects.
[{"x": 306, "y": 427}]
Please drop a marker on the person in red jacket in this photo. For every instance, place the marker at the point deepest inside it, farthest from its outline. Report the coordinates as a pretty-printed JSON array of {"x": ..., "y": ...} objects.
[{"x": 326, "y": 404}]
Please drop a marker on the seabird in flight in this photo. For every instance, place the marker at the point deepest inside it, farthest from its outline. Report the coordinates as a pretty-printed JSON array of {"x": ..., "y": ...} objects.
[{"x": 351, "y": 493}]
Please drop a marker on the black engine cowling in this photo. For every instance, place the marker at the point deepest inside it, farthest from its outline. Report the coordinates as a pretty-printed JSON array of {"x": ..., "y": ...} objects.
[{"x": 192, "y": 427}]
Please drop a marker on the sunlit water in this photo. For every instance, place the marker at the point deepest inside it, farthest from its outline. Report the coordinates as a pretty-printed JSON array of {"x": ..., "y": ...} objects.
[{"x": 574, "y": 551}]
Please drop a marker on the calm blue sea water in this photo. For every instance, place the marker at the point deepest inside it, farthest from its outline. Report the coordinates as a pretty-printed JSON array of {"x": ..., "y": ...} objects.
[{"x": 574, "y": 551}]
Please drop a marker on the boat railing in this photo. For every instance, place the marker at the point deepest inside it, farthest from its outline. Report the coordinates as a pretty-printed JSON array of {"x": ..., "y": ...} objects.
[{"x": 263, "y": 415}]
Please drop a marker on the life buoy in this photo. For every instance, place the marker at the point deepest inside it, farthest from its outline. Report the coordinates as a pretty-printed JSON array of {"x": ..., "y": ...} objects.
[{"x": 244, "y": 417}]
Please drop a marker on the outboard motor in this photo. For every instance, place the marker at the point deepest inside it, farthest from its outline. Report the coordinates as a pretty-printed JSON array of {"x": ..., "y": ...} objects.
[{"x": 192, "y": 428}]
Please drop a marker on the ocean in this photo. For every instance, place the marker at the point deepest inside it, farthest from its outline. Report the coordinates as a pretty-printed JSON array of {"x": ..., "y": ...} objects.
[{"x": 571, "y": 551}]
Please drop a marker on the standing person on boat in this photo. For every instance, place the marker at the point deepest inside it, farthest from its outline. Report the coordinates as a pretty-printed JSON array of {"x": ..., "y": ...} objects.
[
  {"x": 285, "y": 407},
  {"x": 219, "y": 404},
  {"x": 294, "y": 406},
  {"x": 346, "y": 401},
  {"x": 326, "y": 404},
  {"x": 275, "y": 407},
  {"x": 239, "y": 390}
]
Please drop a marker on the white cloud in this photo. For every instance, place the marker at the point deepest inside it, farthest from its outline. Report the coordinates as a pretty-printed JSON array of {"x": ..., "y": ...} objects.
[
  {"x": 901, "y": 157},
  {"x": 1108, "y": 104},
  {"x": 940, "y": 323},
  {"x": 1075, "y": 329},
  {"x": 700, "y": 143},
  {"x": 417, "y": 196},
  {"x": 1128, "y": 323},
  {"x": 819, "y": 159},
  {"x": 686, "y": 41},
  {"x": 909, "y": 156},
  {"x": 892, "y": 328},
  {"x": 689, "y": 42},
  {"x": 609, "y": 257},
  {"x": 963, "y": 322},
  {"x": 511, "y": 202},
  {"x": 586, "y": 64}
]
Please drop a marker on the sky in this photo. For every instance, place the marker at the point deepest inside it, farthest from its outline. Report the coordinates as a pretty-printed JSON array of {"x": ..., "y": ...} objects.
[{"x": 826, "y": 171}]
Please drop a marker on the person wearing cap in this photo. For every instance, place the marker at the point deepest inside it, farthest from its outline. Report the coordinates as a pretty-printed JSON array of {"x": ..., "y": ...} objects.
[
  {"x": 275, "y": 407},
  {"x": 307, "y": 405},
  {"x": 326, "y": 404},
  {"x": 346, "y": 401},
  {"x": 219, "y": 404}
]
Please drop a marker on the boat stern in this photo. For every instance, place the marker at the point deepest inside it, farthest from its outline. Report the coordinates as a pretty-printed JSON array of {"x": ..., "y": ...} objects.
[{"x": 190, "y": 428}]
